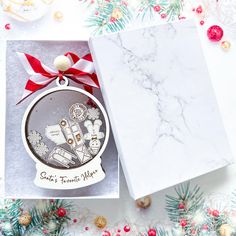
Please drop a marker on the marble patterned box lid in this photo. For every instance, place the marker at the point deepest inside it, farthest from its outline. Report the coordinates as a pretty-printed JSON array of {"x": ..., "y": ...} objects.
[{"x": 161, "y": 103}]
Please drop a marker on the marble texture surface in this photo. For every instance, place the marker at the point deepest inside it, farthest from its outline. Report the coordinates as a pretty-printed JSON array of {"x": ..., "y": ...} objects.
[{"x": 161, "y": 104}]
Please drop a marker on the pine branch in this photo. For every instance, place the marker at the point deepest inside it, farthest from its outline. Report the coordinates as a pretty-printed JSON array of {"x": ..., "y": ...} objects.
[
  {"x": 109, "y": 16},
  {"x": 185, "y": 206},
  {"x": 147, "y": 8},
  {"x": 174, "y": 10},
  {"x": 40, "y": 218},
  {"x": 13, "y": 212},
  {"x": 171, "y": 9},
  {"x": 233, "y": 200}
]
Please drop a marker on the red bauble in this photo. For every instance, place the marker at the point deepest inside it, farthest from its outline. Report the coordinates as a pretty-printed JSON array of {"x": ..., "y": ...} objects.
[
  {"x": 152, "y": 232},
  {"x": 106, "y": 233},
  {"x": 126, "y": 228},
  {"x": 209, "y": 211},
  {"x": 163, "y": 15},
  {"x": 199, "y": 10},
  {"x": 215, "y": 33},
  {"x": 61, "y": 212},
  {"x": 157, "y": 8},
  {"x": 181, "y": 206},
  {"x": 183, "y": 222},
  {"x": 202, "y": 22},
  {"x": 215, "y": 213},
  {"x": 7, "y": 26}
]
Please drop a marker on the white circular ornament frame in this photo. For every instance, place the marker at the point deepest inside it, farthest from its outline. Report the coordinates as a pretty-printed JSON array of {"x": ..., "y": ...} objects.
[{"x": 53, "y": 178}]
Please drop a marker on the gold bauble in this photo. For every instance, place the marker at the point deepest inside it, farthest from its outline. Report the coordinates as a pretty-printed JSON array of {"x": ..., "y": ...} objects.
[
  {"x": 117, "y": 13},
  {"x": 226, "y": 230},
  {"x": 144, "y": 202},
  {"x": 58, "y": 16},
  {"x": 25, "y": 219},
  {"x": 225, "y": 45},
  {"x": 100, "y": 222}
]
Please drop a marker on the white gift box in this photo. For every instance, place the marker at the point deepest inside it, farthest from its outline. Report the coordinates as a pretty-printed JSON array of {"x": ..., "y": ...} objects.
[{"x": 161, "y": 104}]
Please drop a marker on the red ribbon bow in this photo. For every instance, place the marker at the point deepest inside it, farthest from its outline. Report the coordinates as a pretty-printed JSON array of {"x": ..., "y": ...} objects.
[{"x": 82, "y": 71}]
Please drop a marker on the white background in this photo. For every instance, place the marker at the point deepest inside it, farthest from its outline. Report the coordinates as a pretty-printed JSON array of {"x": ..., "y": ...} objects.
[{"x": 222, "y": 68}]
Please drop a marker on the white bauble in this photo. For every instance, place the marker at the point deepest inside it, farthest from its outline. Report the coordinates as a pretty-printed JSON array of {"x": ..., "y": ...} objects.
[{"x": 62, "y": 63}]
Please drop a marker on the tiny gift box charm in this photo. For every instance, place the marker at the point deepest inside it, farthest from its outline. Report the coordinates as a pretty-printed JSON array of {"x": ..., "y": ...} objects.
[{"x": 63, "y": 132}]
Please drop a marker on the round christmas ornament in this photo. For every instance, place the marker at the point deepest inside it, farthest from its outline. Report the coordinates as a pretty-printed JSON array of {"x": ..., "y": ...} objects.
[
  {"x": 152, "y": 232},
  {"x": 26, "y": 10},
  {"x": 215, "y": 33},
  {"x": 65, "y": 129},
  {"x": 61, "y": 212},
  {"x": 225, "y": 45},
  {"x": 25, "y": 219},
  {"x": 144, "y": 202},
  {"x": 58, "y": 16},
  {"x": 100, "y": 222},
  {"x": 226, "y": 230}
]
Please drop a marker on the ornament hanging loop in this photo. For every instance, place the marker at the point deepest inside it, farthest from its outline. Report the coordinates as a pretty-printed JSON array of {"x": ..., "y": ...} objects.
[{"x": 62, "y": 81}]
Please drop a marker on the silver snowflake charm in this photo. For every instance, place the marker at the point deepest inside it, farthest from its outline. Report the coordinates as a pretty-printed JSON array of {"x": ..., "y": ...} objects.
[
  {"x": 41, "y": 149},
  {"x": 93, "y": 113},
  {"x": 34, "y": 137}
]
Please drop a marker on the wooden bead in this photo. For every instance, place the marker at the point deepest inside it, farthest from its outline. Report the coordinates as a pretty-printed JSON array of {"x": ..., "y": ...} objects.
[
  {"x": 100, "y": 222},
  {"x": 62, "y": 63},
  {"x": 225, "y": 230},
  {"x": 25, "y": 219},
  {"x": 144, "y": 202}
]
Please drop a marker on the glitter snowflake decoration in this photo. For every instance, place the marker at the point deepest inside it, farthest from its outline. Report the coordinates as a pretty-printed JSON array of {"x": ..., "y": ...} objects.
[
  {"x": 41, "y": 149},
  {"x": 93, "y": 113},
  {"x": 34, "y": 137}
]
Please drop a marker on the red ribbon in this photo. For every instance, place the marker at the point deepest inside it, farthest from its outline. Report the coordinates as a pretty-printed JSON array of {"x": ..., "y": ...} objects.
[{"x": 82, "y": 72}]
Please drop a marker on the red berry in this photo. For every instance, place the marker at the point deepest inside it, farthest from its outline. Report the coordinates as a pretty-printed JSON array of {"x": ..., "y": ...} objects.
[
  {"x": 152, "y": 232},
  {"x": 7, "y": 26},
  {"x": 181, "y": 206},
  {"x": 183, "y": 222},
  {"x": 106, "y": 233},
  {"x": 157, "y": 8},
  {"x": 215, "y": 213},
  {"x": 126, "y": 228},
  {"x": 61, "y": 212},
  {"x": 163, "y": 15},
  {"x": 86, "y": 228},
  {"x": 182, "y": 17},
  {"x": 205, "y": 227},
  {"x": 112, "y": 19},
  {"x": 202, "y": 22},
  {"x": 124, "y": 3},
  {"x": 199, "y": 10},
  {"x": 75, "y": 220},
  {"x": 215, "y": 33}
]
